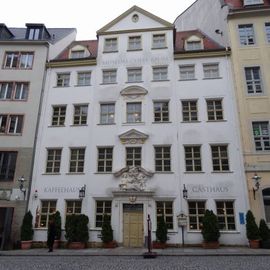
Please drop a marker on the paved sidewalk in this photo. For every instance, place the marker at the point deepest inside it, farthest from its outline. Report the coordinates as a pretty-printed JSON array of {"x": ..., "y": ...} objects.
[{"x": 122, "y": 251}]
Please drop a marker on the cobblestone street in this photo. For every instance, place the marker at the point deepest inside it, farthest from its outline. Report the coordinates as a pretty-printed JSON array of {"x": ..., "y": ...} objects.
[{"x": 135, "y": 262}]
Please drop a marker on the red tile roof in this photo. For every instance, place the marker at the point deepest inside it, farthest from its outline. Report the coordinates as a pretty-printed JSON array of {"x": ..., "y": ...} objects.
[
  {"x": 238, "y": 4},
  {"x": 208, "y": 43},
  {"x": 91, "y": 46}
]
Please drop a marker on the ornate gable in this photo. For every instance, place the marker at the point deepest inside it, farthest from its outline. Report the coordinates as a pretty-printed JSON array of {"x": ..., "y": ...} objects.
[{"x": 133, "y": 136}]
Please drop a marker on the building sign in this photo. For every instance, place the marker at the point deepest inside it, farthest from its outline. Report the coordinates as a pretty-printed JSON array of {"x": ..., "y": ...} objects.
[
  {"x": 182, "y": 220},
  {"x": 5, "y": 194},
  {"x": 202, "y": 189},
  {"x": 61, "y": 190}
]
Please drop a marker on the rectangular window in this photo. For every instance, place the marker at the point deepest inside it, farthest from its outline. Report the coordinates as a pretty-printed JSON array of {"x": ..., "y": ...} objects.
[
  {"x": 110, "y": 45},
  {"x": 220, "y": 158},
  {"x": 102, "y": 207},
  {"x": 76, "y": 164},
  {"x": 225, "y": 215},
  {"x": 34, "y": 33},
  {"x": 134, "y": 74},
  {"x": 195, "y": 214},
  {"x": 109, "y": 76},
  {"x": 7, "y": 165},
  {"x": 63, "y": 79},
  {"x": 160, "y": 73},
  {"x": 14, "y": 90},
  {"x": 73, "y": 208},
  {"x": 19, "y": 60},
  {"x": 134, "y": 112},
  {"x": 162, "y": 158},
  {"x": 252, "y": 2},
  {"x": 11, "y": 124},
  {"x": 105, "y": 159},
  {"x": 193, "y": 45},
  {"x": 59, "y": 115},
  {"x": 189, "y": 110},
  {"x": 159, "y": 41},
  {"x": 134, "y": 43},
  {"x": 133, "y": 156},
  {"x": 107, "y": 113},
  {"x": 80, "y": 114},
  {"x": 253, "y": 80},
  {"x": 48, "y": 208},
  {"x": 267, "y": 31},
  {"x": 246, "y": 34},
  {"x": 165, "y": 210},
  {"x": 77, "y": 54},
  {"x": 53, "y": 160},
  {"x": 161, "y": 111},
  {"x": 211, "y": 71},
  {"x": 84, "y": 78},
  {"x": 187, "y": 72},
  {"x": 214, "y": 110},
  {"x": 193, "y": 158},
  {"x": 261, "y": 133}
]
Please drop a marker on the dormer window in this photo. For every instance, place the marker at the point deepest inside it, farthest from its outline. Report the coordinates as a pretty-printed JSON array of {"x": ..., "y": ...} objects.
[
  {"x": 253, "y": 2},
  {"x": 5, "y": 32},
  {"x": 193, "y": 43},
  {"x": 36, "y": 32},
  {"x": 77, "y": 54}
]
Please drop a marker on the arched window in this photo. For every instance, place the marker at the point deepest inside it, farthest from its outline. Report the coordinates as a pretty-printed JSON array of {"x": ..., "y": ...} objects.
[{"x": 266, "y": 202}]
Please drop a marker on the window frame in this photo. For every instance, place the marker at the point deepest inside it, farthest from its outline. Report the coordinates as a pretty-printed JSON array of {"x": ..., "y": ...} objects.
[
  {"x": 162, "y": 166},
  {"x": 226, "y": 215},
  {"x": 18, "y": 55},
  {"x": 86, "y": 80},
  {"x": 139, "y": 47},
  {"x": 110, "y": 74},
  {"x": 160, "y": 115},
  {"x": 245, "y": 39},
  {"x": 73, "y": 207},
  {"x": 59, "y": 117},
  {"x": 193, "y": 158},
  {"x": 267, "y": 31},
  {"x": 79, "y": 118},
  {"x": 136, "y": 74},
  {"x": 198, "y": 215},
  {"x": 188, "y": 112},
  {"x": 108, "y": 48},
  {"x": 8, "y": 90},
  {"x": 98, "y": 223},
  {"x": 11, "y": 162},
  {"x": 263, "y": 139},
  {"x": 134, "y": 157},
  {"x": 223, "y": 160},
  {"x": 215, "y": 112},
  {"x": 160, "y": 73},
  {"x": 48, "y": 213},
  {"x": 159, "y": 44},
  {"x": 107, "y": 162},
  {"x": 192, "y": 45},
  {"x": 213, "y": 69},
  {"x": 8, "y": 124},
  {"x": 253, "y": 82},
  {"x": 107, "y": 113},
  {"x": 63, "y": 79},
  {"x": 132, "y": 113},
  {"x": 188, "y": 74},
  {"x": 56, "y": 158},
  {"x": 162, "y": 211},
  {"x": 76, "y": 163}
]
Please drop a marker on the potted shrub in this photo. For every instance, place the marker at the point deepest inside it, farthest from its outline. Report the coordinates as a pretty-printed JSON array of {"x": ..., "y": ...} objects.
[
  {"x": 210, "y": 230},
  {"x": 252, "y": 230},
  {"x": 27, "y": 231},
  {"x": 264, "y": 234},
  {"x": 107, "y": 233},
  {"x": 77, "y": 233},
  {"x": 58, "y": 229},
  {"x": 161, "y": 234}
]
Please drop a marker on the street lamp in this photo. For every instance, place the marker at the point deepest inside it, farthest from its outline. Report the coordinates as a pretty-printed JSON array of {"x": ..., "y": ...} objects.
[
  {"x": 21, "y": 186},
  {"x": 256, "y": 186},
  {"x": 185, "y": 192},
  {"x": 82, "y": 192}
]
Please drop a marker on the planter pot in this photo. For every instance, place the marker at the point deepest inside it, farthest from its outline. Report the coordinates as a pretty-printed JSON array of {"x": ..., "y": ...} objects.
[
  {"x": 26, "y": 244},
  {"x": 265, "y": 244},
  {"x": 159, "y": 245},
  {"x": 56, "y": 244},
  {"x": 210, "y": 245},
  {"x": 254, "y": 243},
  {"x": 111, "y": 244},
  {"x": 76, "y": 245}
]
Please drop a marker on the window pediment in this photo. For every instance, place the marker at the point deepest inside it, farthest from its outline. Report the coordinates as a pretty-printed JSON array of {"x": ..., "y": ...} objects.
[
  {"x": 133, "y": 136},
  {"x": 134, "y": 92}
]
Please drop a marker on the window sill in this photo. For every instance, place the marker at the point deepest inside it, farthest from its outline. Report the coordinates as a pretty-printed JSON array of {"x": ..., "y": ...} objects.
[
  {"x": 256, "y": 95},
  {"x": 135, "y": 123},
  {"x": 184, "y": 80},
  {"x": 116, "y": 51},
  {"x": 82, "y": 125},
  {"x": 159, "y": 48},
  {"x": 188, "y": 122},
  {"x": 227, "y": 232},
  {"x": 103, "y": 173},
  {"x": 168, "y": 172},
  {"x": 216, "y": 78},
  {"x": 51, "y": 174},
  {"x": 210, "y": 121},
  {"x": 165, "y": 80},
  {"x": 75, "y": 173},
  {"x": 65, "y": 86},
  {"x": 134, "y": 50},
  {"x": 199, "y": 172},
  {"x": 83, "y": 85},
  {"x": 106, "y": 124},
  {"x": 135, "y": 82},
  {"x": 108, "y": 83},
  {"x": 56, "y": 126},
  {"x": 222, "y": 172},
  {"x": 164, "y": 122},
  {"x": 10, "y": 134}
]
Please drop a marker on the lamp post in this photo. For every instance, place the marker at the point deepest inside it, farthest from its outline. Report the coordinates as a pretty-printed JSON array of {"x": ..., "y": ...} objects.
[
  {"x": 21, "y": 186},
  {"x": 256, "y": 186},
  {"x": 82, "y": 192}
]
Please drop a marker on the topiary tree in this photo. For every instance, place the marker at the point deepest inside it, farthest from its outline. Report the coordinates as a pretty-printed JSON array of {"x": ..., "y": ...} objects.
[
  {"x": 252, "y": 230},
  {"x": 106, "y": 230},
  {"x": 58, "y": 225},
  {"x": 210, "y": 228},
  {"x": 264, "y": 230},
  {"x": 162, "y": 230},
  {"x": 27, "y": 231},
  {"x": 77, "y": 228}
]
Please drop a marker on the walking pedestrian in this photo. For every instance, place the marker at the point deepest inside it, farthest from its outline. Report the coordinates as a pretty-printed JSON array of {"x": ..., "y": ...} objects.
[{"x": 51, "y": 235}]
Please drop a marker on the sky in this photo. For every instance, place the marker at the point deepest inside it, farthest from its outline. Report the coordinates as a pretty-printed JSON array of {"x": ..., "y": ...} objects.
[{"x": 87, "y": 16}]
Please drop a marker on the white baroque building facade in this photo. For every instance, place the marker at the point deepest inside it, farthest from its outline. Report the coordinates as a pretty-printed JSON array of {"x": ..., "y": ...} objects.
[{"x": 136, "y": 118}]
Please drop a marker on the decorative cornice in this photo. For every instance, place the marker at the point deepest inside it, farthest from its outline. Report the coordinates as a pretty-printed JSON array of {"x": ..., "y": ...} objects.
[
  {"x": 201, "y": 54},
  {"x": 133, "y": 136},
  {"x": 73, "y": 63}
]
